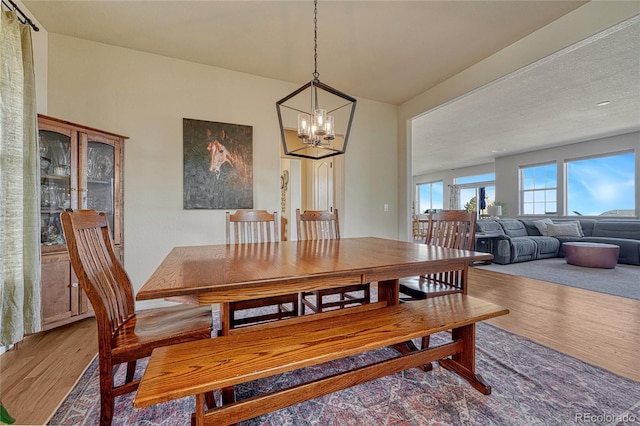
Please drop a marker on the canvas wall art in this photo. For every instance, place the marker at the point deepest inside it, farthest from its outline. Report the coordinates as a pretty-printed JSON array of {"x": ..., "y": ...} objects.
[{"x": 218, "y": 165}]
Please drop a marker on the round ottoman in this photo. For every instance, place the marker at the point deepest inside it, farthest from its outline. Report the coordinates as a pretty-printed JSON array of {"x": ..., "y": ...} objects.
[{"x": 591, "y": 255}]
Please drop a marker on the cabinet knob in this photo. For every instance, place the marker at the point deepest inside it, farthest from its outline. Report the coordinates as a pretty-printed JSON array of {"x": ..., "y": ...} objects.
[{"x": 74, "y": 285}]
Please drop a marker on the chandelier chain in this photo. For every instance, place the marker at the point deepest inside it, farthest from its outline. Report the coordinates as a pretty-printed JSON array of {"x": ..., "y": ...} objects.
[{"x": 315, "y": 40}]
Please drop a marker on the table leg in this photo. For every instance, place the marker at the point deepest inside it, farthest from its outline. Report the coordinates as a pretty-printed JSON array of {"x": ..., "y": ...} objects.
[
  {"x": 389, "y": 291},
  {"x": 225, "y": 319},
  {"x": 228, "y": 394},
  {"x": 464, "y": 363}
]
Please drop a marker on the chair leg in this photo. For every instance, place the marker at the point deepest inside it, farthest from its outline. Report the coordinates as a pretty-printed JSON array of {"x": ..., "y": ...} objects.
[
  {"x": 425, "y": 342},
  {"x": 424, "y": 345},
  {"x": 131, "y": 371},
  {"x": 210, "y": 399},
  {"x": 106, "y": 393}
]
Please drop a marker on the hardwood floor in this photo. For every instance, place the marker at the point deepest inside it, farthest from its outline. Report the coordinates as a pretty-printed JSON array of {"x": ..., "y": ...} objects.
[
  {"x": 38, "y": 373},
  {"x": 594, "y": 327}
]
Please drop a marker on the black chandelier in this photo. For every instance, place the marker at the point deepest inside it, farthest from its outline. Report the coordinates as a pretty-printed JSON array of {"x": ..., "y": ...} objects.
[{"x": 322, "y": 115}]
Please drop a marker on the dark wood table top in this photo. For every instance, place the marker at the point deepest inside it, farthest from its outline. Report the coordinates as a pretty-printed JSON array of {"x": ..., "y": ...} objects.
[{"x": 223, "y": 273}]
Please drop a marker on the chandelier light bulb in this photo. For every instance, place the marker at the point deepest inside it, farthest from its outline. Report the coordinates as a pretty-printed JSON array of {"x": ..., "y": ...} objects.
[
  {"x": 320, "y": 120},
  {"x": 303, "y": 126},
  {"x": 330, "y": 131}
]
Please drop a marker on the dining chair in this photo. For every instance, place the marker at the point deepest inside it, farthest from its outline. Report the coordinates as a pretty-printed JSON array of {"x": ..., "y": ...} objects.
[
  {"x": 451, "y": 229},
  {"x": 124, "y": 335},
  {"x": 257, "y": 226},
  {"x": 325, "y": 225}
]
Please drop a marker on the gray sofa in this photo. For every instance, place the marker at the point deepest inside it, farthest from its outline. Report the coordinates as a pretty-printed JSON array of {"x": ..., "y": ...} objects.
[{"x": 520, "y": 240}]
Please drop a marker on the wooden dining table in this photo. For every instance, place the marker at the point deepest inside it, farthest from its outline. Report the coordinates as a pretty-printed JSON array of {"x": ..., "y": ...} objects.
[{"x": 225, "y": 273}]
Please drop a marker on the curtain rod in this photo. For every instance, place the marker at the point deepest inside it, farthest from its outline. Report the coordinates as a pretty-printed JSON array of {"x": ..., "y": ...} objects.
[{"x": 25, "y": 19}]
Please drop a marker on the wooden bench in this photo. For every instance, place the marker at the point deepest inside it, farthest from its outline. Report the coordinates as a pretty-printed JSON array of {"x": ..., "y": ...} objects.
[{"x": 265, "y": 350}]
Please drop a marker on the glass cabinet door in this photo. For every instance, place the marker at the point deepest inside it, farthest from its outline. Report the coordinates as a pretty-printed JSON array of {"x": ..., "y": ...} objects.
[
  {"x": 57, "y": 183},
  {"x": 99, "y": 179}
]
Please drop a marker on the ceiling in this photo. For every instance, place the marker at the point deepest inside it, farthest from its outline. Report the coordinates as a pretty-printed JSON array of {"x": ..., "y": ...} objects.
[
  {"x": 549, "y": 103},
  {"x": 387, "y": 51}
]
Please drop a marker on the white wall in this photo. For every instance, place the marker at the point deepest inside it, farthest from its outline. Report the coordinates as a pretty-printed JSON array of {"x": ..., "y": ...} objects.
[
  {"x": 40, "y": 43},
  {"x": 146, "y": 97}
]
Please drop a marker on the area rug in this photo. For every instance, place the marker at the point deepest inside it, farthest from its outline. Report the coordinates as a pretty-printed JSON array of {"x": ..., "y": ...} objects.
[
  {"x": 623, "y": 280},
  {"x": 532, "y": 385}
]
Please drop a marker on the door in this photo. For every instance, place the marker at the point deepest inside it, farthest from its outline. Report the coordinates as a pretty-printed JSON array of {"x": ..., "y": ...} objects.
[
  {"x": 98, "y": 180},
  {"x": 57, "y": 293},
  {"x": 322, "y": 185},
  {"x": 58, "y": 182}
]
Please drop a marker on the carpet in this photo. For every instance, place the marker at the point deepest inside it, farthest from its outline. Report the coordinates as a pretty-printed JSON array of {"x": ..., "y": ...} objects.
[
  {"x": 623, "y": 280},
  {"x": 532, "y": 385}
]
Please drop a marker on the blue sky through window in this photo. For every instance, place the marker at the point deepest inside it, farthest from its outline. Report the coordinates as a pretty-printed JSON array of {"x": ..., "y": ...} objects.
[
  {"x": 601, "y": 185},
  {"x": 430, "y": 196}
]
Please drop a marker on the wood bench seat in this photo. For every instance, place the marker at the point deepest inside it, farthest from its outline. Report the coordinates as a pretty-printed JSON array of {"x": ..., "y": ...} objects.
[{"x": 252, "y": 353}]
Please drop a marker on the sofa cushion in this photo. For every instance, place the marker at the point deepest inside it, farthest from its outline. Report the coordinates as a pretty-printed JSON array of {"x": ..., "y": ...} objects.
[
  {"x": 513, "y": 227},
  {"x": 587, "y": 226},
  {"x": 489, "y": 227},
  {"x": 530, "y": 227},
  {"x": 542, "y": 225},
  {"x": 569, "y": 229},
  {"x": 546, "y": 247},
  {"x": 523, "y": 249},
  {"x": 617, "y": 229}
]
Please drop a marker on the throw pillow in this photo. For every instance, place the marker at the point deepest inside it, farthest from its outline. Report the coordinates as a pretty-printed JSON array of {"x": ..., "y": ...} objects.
[
  {"x": 577, "y": 223},
  {"x": 565, "y": 229},
  {"x": 542, "y": 225}
]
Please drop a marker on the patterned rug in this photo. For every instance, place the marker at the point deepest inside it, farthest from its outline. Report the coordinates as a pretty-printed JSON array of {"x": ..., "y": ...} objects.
[{"x": 532, "y": 385}]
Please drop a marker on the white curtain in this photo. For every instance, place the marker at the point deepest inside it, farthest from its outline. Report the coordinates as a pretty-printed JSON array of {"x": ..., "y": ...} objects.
[
  {"x": 454, "y": 197},
  {"x": 19, "y": 185}
]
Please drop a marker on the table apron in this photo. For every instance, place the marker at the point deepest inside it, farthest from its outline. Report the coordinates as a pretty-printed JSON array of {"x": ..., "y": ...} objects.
[
  {"x": 414, "y": 270},
  {"x": 258, "y": 290}
]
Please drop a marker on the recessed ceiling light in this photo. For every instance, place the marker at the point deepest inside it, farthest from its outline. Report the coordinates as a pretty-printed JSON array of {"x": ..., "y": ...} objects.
[
  {"x": 603, "y": 103},
  {"x": 495, "y": 151}
]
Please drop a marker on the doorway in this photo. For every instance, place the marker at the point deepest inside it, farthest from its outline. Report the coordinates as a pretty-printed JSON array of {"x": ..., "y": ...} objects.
[{"x": 309, "y": 185}]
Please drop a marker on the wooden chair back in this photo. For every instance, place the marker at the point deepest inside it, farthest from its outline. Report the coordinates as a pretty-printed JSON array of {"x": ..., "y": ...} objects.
[
  {"x": 99, "y": 271},
  {"x": 323, "y": 225},
  {"x": 123, "y": 335},
  {"x": 318, "y": 225},
  {"x": 451, "y": 229},
  {"x": 257, "y": 226},
  {"x": 252, "y": 226}
]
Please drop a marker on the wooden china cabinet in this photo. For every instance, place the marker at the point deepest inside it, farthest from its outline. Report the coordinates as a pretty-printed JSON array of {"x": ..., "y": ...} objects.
[{"x": 80, "y": 168}]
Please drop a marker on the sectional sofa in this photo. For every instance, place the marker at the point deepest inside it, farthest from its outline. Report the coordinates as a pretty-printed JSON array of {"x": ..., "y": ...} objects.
[{"x": 524, "y": 239}]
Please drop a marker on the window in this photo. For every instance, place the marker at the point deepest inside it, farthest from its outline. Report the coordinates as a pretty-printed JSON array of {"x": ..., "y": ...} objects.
[
  {"x": 429, "y": 196},
  {"x": 472, "y": 189},
  {"x": 489, "y": 177},
  {"x": 539, "y": 189},
  {"x": 601, "y": 186}
]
